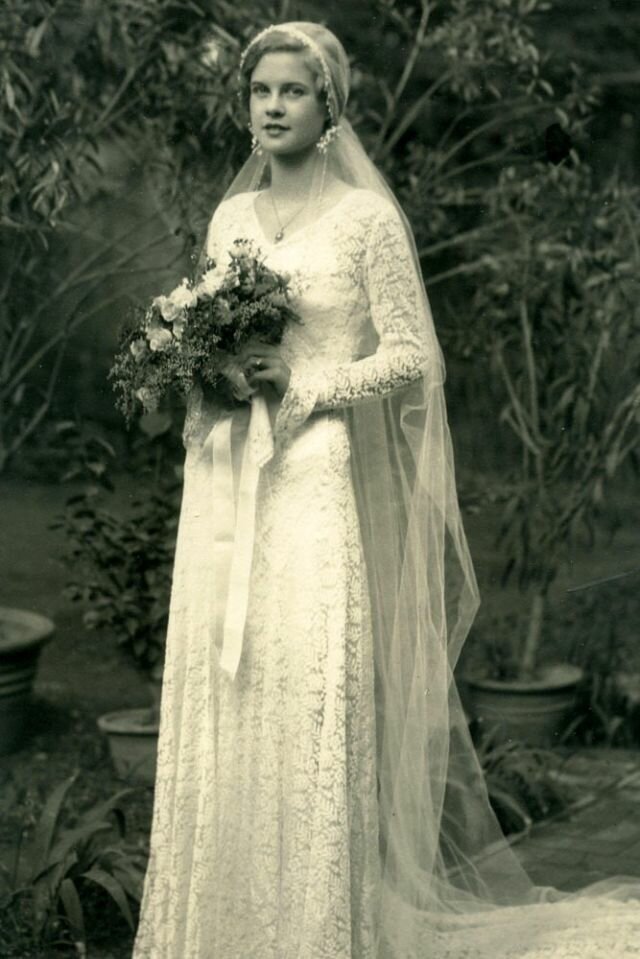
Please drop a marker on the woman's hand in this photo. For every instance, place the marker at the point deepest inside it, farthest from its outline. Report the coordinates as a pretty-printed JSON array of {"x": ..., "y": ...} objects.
[{"x": 263, "y": 364}]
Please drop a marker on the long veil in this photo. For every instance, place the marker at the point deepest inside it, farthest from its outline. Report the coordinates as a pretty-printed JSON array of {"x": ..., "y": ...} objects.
[{"x": 447, "y": 868}]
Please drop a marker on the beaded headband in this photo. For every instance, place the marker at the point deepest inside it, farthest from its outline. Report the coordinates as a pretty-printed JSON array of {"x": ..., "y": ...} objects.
[{"x": 313, "y": 48}]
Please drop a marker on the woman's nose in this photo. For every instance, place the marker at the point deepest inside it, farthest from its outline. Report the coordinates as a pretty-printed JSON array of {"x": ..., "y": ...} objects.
[{"x": 274, "y": 106}]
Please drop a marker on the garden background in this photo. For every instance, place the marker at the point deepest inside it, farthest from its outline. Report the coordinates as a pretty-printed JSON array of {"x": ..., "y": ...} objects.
[{"x": 509, "y": 129}]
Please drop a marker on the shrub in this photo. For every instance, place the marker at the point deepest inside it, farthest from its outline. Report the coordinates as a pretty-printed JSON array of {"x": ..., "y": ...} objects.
[{"x": 121, "y": 560}]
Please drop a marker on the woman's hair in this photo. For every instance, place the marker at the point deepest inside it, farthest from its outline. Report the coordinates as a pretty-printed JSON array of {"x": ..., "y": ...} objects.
[{"x": 279, "y": 43}]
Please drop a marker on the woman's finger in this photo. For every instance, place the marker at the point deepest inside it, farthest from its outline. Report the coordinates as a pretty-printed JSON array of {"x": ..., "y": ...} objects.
[
  {"x": 257, "y": 349},
  {"x": 277, "y": 374},
  {"x": 266, "y": 375},
  {"x": 253, "y": 363}
]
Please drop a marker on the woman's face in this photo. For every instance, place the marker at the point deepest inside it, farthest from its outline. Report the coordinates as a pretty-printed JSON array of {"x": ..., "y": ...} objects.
[{"x": 287, "y": 114}]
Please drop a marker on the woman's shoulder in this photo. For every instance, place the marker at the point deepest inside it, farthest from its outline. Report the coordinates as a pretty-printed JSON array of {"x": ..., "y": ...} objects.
[
  {"x": 233, "y": 204},
  {"x": 370, "y": 207}
]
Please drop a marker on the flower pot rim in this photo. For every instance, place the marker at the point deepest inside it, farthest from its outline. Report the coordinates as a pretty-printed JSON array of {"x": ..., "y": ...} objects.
[
  {"x": 128, "y": 722},
  {"x": 38, "y": 629},
  {"x": 552, "y": 677}
]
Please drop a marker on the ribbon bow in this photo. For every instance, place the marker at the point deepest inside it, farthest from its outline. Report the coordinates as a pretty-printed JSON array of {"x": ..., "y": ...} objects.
[{"x": 244, "y": 434}]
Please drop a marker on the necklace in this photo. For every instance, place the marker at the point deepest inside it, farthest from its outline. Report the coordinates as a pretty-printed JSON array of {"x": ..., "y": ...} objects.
[{"x": 283, "y": 226}]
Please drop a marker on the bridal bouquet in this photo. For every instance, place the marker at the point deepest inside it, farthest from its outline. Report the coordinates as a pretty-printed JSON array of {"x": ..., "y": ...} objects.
[{"x": 193, "y": 334}]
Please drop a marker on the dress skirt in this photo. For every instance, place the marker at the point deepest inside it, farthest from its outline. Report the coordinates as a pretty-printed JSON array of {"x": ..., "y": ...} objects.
[{"x": 265, "y": 833}]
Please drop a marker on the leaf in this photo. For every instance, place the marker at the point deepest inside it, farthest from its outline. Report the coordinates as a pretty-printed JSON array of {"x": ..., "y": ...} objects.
[
  {"x": 611, "y": 463},
  {"x": 509, "y": 803},
  {"x": 131, "y": 878},
  {"x": 34, "y": 38},
  {"x": 37, "y": 859},
  {"x": 65, "y": 426},
  {"x": 75, "y": 838},
  {"x": 73, "y": 910},
  {"x": 104, "y": 809},
  {"x": 115, "y": 890},
  {"x": 9, "y": 93}
]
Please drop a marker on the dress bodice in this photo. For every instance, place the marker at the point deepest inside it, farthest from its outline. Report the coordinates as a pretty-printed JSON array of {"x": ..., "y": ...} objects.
[
  {"x": 364, "y": 332},
  {"x": 326, "y": 261}
]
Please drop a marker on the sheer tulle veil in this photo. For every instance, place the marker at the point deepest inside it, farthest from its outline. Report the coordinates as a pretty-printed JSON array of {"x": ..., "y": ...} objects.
[{"x": 446, "y": 867}]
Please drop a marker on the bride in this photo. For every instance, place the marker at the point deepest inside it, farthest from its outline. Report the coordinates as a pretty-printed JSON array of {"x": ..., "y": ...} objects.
[{"x": 317, "y": 794}]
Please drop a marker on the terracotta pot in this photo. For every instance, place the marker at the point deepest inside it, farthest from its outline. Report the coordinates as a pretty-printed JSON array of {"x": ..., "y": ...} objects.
[
  {"x": 133, "y": 743},
  {"x": 535, "y": 711},
  {"x": 22, "y": 636}
]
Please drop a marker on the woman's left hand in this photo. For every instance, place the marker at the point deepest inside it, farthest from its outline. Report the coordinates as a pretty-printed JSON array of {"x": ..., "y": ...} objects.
[{"x": 262, "y": 363}]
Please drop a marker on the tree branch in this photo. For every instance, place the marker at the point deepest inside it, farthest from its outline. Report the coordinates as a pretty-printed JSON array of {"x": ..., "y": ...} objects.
[{"x": 404, "y": 77}]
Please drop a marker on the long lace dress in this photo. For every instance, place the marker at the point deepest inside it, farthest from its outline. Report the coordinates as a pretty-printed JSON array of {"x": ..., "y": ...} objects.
[
  {"x": 265, "y": 832},
  {"x": 265, "y": 842}
]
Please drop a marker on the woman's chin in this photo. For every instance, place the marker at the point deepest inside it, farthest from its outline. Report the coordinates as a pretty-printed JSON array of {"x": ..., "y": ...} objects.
[{"x": 293, "y": 152}]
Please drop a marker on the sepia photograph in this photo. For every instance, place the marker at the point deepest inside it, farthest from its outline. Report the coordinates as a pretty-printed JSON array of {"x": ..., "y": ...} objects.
[{"x": 319, "y": 479}]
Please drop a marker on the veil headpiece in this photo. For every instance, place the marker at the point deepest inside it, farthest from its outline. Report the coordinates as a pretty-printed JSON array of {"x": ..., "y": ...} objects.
[{"x": 435, "y": 820}]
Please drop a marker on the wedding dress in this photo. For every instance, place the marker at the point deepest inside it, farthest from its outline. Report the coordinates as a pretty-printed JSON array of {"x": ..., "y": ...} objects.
[{"x": 265, "y": 840}]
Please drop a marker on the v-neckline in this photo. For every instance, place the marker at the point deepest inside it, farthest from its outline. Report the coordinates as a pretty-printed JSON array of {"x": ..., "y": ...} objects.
[{"x": 288, "y": 239}]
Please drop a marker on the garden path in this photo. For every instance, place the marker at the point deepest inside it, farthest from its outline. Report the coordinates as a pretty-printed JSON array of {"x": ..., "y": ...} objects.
[{"x": 599, "y": 835}]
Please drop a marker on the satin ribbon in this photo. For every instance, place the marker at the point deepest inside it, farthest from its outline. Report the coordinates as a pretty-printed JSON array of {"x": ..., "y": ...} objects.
[{"x": 244, "y": 434}]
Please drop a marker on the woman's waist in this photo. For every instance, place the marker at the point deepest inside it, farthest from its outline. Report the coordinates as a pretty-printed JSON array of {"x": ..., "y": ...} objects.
[{"x": 322, "y": 437}]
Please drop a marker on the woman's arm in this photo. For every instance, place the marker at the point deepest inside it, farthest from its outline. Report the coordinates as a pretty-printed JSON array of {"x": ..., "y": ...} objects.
[{"x": 397, "y": 311}]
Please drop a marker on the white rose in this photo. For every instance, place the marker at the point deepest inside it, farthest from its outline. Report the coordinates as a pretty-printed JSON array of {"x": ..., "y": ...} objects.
[
  {"x": 138, "y": 348},
  {"x": 159, "y": 339},
  {"x": 212, "y": 280},
  {"x": 178, "y": 326},
  {"x": 148, "y": 399},
  {"x": 183, "y": 296},
  {"x": 168, "y": 309}
]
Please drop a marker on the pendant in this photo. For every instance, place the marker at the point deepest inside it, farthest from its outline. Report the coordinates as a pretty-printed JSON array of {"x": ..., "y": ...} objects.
[{"x": 279, "y": 236}]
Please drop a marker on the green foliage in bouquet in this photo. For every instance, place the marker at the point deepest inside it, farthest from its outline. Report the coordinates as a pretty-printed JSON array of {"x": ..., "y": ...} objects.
[{"x": 193, "y": 334}]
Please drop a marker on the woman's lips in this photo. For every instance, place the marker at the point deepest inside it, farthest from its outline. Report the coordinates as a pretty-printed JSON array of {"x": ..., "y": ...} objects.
[{"x": 275, "y": 129}]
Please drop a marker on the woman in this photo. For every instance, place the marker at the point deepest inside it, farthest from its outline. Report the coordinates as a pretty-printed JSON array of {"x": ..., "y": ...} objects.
[{"x": 317, "y": 794}]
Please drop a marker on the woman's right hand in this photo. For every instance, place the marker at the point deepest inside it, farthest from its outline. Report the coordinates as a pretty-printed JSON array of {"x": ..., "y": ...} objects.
[
  {"x": 234, "y": 371},
  {"x": 263, "y": 364}
]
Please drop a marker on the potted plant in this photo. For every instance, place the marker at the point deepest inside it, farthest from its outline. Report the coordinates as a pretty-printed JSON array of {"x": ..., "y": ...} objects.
[
  {"x": 121, "y": 564},
  {"x": 558, "y": 321},
  {"x": 22, "y": 636}
]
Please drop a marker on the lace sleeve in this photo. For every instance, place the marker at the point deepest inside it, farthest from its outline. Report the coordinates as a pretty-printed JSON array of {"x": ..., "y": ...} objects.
[{"x": 396, "y": 309}]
